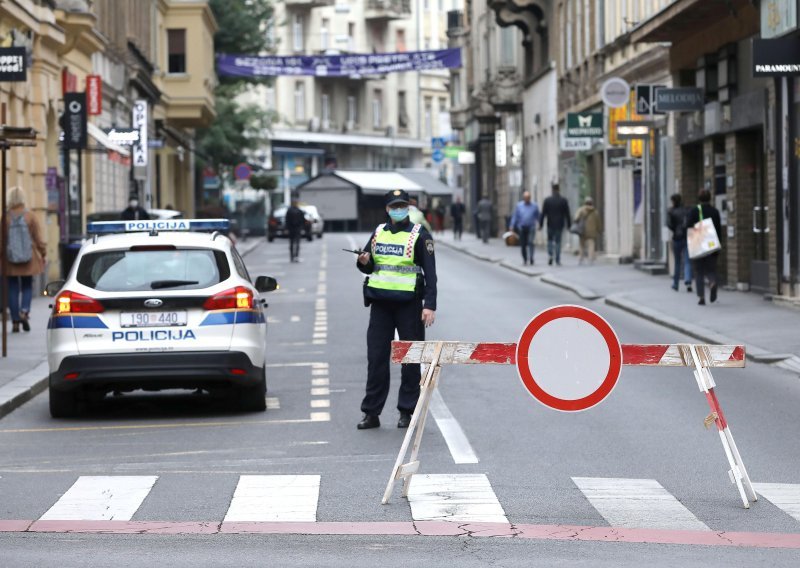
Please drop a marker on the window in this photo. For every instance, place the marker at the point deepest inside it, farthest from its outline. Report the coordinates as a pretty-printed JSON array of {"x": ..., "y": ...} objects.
[
  {"x": 508, "y": 44},
  {"x": 176, "y": 49},
  {"x": 400, "y": 40},
  {"x": 351, "y": 36},
  {"x": 325, "y": 110},
  {"x": 428, "y": 117},
  {"x": 270, "y": 97},
  {"x": 297, "y": 33},
  {"x": 324, "y": 35},
  {"x": 402, "y": 113},
  {"x": 377, "y": 109},
  {"x": 299, "y": 101},
  {"x": 456, "y": 90},
  {"x": 352, "y": 110}
]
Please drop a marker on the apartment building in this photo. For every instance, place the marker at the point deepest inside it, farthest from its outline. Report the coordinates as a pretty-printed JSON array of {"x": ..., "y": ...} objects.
[{"x": 357, "y": 122}]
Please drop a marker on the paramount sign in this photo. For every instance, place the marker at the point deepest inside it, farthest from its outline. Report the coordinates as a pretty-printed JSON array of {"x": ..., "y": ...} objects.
[
  {"x": 585, "y": 125},
  {"x": 776, "y": 57}
]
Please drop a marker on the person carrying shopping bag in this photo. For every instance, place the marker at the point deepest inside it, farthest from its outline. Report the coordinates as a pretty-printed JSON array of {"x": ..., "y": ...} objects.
[{"x": 588, "y": 226}]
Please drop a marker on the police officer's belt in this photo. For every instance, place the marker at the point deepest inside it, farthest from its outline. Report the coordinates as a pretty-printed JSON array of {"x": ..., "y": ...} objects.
[{"x": 403, "y": 269}]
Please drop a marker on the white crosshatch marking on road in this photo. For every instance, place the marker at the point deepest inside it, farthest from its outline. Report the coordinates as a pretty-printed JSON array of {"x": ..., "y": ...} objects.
[
  {"x": 463, "y": 498},
  {"x": 637, "y": 503},
  {"x": 321, "y": 382},
  {"x": 273, "y": 403},
  {"x": 102, "y": 498},
  {"x": 320, "y": 391},
  {"x": 319, "y": 372},
  {"x": 320, "y": 417},
  {"x": 320, "y": 403},
  {"x": 785, "y": 496},
  {"x": 275, "y": 498}
]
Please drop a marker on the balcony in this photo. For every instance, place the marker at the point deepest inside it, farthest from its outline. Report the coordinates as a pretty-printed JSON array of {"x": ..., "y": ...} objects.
[
  {"x": 306, "y": 4},
  {"x": 384, "y": 11}
]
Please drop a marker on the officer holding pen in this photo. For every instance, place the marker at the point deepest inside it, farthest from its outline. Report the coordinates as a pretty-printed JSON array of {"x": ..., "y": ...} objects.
[{"x": 401, "y": 292}]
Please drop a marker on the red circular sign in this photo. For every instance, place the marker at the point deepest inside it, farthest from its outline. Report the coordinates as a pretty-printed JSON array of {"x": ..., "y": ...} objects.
[{"x": 552, "y": 359}]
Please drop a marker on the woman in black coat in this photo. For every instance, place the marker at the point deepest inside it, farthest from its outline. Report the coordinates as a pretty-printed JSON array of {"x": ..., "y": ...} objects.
[{"x": 705, "y": 267}]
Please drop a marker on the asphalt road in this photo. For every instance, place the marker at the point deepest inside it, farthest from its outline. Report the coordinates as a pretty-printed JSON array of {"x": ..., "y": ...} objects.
[{"x": 534, "y": 458}]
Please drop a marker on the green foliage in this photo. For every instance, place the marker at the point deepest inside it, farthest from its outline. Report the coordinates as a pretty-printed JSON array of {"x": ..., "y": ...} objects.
[
  {"x": 263, "y": 182},
  {"x": 237, "y": 130}
]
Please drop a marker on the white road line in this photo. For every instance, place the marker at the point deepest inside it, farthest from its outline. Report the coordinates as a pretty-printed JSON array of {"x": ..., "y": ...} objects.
[
  {"x": 320, "y": 403},
  {"x": 275, "y": 498},
  {"x": 320, "y": 391},
  {"x": 320, "y": 417},
  {"x": 785, "y": 496},
  {"x": 454, "y": 436},
  {"x": 322, "y": 382},
  {"x": 294, "y": 319},
  {"x": 273, "y": 403},
  {"x": 102, "y": 498},
  {"x": 637, "y": 503},
  {"x": 454, "y": 497}
]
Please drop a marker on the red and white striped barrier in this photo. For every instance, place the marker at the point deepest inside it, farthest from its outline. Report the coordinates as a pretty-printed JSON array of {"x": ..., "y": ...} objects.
[
  {"x": 463, "y": 353},
  {"x": 702, "y": 358}
]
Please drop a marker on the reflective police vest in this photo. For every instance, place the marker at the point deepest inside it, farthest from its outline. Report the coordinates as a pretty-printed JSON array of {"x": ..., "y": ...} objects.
[{"x": 394, "y": 276}]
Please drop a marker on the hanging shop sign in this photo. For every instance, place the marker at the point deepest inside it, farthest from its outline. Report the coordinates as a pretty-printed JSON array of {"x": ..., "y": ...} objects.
[
  {"x": 778, "y": 17},
  {"x": 585, "y": 125},
  {"x": 94, "y": 94},
  {"x": 139, "y": 122},
  {"x": 75, "y": 129},
  {"x": 337, "y": 65},
  {"x": 13, "y": 66},
  {"x": 776, "y": 57},
  {"x": 680, "y": 99}
]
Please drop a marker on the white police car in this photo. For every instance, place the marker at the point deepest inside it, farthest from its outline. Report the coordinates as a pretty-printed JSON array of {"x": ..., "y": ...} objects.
[{"x": 157, "y": 305}]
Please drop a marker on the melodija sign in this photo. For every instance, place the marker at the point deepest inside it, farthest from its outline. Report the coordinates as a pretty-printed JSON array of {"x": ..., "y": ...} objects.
[{"x": 337, "y": 65}]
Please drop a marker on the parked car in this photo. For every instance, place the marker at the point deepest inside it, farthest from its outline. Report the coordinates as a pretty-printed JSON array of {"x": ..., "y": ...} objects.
[{"x": 276, "y": 224}]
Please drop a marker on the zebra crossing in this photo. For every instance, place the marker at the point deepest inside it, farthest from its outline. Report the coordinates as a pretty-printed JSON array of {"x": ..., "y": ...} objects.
[{"x": 458, "y": 498}]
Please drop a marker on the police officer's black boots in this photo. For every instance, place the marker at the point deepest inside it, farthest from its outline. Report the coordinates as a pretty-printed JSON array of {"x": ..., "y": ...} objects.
[
  {"x": 369, "y": 421},
  {"x": 405, "y": 420}
]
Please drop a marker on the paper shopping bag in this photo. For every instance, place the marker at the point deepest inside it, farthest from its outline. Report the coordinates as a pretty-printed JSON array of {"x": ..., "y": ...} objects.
[{"x": 702, "y": 239}]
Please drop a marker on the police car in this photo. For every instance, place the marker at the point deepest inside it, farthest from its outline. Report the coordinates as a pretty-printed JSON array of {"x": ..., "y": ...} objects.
[{"x": 157, "y": 305}]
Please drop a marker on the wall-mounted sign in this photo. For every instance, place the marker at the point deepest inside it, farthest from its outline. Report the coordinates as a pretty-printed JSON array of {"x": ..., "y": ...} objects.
[
  {"x": 776, "y": 57},
  {"x": 94, "y": 94},
  {"x": 615, "y": 92},
  {"x": 681, "y": 99},
  {"x": 585, "y": 125},
  {"x": 123, "y": 136},
  {"x": 69, "y": 81},
  {"x": 646, "y": 98},
  {"x": 778, "y": 17},
  {"x": 466, "y": 158},
  {"x": 139, "y": 122},
  {"x": 75, "y": 134},
  {"x": 575, "y": 144},
  {"x": 13, "y": 66},
  {"x": 500, "y": 149}
]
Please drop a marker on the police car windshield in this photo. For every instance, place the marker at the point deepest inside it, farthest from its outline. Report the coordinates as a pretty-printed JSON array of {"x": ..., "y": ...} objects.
[{"x": 145, "y": 270}]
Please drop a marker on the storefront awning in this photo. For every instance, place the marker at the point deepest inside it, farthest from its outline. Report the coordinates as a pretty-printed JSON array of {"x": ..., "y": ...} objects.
[
  {"x": 378, "y": 183},
  {"x": 103, "y": 139},
  {"x": 278, "y": 138}
]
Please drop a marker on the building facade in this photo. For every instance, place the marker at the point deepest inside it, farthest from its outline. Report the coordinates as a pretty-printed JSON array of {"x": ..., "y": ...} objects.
[
  {"x": 117, "y": 53},
  {"x": 365, "y": 122}
]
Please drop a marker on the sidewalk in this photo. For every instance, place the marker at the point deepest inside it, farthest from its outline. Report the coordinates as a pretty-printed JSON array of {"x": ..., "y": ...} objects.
[
  {"x": 23, "y": 374},
  {"x": 768, "y": 330}
]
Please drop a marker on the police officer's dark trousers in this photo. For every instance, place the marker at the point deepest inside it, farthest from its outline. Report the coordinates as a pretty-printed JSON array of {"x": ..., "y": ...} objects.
[{"x": 384, "y": 318}]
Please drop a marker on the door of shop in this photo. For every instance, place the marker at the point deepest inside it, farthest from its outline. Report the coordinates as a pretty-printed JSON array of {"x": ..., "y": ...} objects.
[{"x": 759, "y": 264}]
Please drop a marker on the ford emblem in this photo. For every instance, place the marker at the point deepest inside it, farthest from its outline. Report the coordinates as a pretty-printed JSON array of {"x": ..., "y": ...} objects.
[{"x": 153, "y": 303}]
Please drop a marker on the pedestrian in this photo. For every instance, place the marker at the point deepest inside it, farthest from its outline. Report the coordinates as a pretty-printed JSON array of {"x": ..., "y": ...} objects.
[
  {"x": 457, "y": 211},
  {"x": 589, "y": 218},
  {"x": 133, "y": 212},
  {"x": 555, "y": 211},
  {"x": 705, "y": 267},
  {"x": 295, "y": 221},
  {"x": 523, "y": 222},
  {"x": 26, "y": 251},
  {"x": 439, "y": 211},
  {"x": 401, "y": 293},
  {"x": 483, "y": 213},
  {"x": 677, "y": 223}
]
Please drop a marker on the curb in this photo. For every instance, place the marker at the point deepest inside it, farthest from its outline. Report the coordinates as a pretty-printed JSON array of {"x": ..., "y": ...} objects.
[
  {"x": 26, "y": 386},
  {"x": 753, "y": 352},
  {"x": 581, "y": 291},
  {"x": 520, "y": 269}
]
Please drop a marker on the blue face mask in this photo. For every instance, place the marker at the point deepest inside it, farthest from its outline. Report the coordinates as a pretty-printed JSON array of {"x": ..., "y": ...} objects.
[{"x": 398, "y": 214}]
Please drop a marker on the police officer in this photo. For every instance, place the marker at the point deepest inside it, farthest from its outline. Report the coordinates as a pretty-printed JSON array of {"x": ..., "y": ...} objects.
[{"x": 401, "y": 290}]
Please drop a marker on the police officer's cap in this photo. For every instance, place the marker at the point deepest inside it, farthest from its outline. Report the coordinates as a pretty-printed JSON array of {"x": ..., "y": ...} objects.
[{"x": 396, "y": 196}]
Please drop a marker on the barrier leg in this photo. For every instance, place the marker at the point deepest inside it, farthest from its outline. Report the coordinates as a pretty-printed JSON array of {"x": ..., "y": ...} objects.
[
  {"x": 400, "y": 469},
  {"x": 421, "y": 428},
  {"x": 705, "y": 381}
]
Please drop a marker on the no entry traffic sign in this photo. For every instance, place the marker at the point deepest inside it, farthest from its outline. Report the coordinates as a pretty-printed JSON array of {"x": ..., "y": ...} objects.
[{"x": 569, "y": 358}]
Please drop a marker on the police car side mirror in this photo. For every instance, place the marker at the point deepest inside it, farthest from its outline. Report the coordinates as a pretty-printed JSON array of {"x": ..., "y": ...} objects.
[
  {"x": 266, "y": 284},
  {"x": 52, "y": 288}
]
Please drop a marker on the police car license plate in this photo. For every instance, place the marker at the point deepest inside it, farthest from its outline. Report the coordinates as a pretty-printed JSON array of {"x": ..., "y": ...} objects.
[{"x": 153, "y": 319}]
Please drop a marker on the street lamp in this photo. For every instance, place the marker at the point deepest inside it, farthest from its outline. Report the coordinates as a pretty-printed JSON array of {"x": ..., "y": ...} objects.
[{"x": 10, "y": 136}]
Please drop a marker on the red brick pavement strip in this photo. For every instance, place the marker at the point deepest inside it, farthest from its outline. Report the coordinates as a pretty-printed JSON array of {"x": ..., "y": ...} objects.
[{"x": 419, "y": 528}]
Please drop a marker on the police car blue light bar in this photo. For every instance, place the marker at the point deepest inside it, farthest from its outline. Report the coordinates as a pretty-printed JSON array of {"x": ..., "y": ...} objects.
[{"x": 146, "y": 226}]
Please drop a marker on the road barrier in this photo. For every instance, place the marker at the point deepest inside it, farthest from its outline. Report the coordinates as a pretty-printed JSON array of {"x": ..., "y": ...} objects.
[{"x": 594, "y": 344}]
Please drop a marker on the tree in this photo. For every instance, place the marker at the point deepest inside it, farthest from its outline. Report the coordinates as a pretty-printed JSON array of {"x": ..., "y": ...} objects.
[{"x": 237, "y": 130}]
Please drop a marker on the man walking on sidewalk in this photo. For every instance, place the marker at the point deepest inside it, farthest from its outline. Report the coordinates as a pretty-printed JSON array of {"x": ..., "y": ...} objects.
[
  {"x": 523, "y": 222},
  {"x": 676, "y": 222},
  {"x": 556, "y": 211},
  {"x": 295, "y": 221},
  {"x": 484, "y": 215}
]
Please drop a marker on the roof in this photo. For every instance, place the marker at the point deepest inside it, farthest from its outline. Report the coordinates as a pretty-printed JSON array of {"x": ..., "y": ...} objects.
[
  {"x": 426, "y": 181},
  {"x": 378, "y": 183}
]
